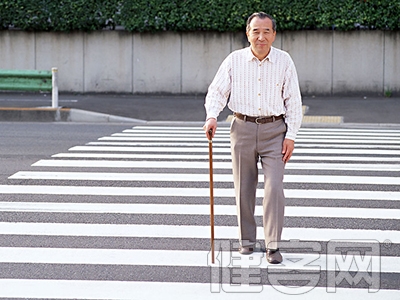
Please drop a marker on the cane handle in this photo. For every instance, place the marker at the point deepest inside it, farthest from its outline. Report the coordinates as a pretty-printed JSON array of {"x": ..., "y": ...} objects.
[{"x": 209, "y": 133}]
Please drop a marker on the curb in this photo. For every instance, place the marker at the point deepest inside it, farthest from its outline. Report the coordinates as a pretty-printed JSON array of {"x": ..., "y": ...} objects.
[
  {"x": 79, "y": 115},
  {"x": 49, "y": 114},
  {"x": 39, "y": 114}
]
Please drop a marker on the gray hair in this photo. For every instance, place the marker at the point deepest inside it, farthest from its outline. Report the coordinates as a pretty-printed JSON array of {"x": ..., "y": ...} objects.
[{"x": 261, "y": 15}]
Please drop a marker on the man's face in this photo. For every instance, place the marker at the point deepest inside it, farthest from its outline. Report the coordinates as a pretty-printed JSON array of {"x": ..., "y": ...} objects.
[{"x": 261, "y": 36}]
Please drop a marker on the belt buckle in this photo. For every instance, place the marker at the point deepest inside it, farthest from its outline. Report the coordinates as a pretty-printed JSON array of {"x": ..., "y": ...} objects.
[{"x": 256, "y": 120}]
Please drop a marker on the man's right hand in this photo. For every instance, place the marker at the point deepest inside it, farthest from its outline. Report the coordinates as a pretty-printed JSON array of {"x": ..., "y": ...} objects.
[{"x": 211, "y": 124}]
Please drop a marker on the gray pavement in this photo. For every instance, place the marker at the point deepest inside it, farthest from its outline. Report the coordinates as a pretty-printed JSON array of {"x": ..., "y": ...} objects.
[{"x": 187, "y": 108}]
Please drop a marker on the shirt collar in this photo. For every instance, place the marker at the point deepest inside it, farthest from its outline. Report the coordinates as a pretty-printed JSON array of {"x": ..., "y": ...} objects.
[{"x": 271, "y": 57}]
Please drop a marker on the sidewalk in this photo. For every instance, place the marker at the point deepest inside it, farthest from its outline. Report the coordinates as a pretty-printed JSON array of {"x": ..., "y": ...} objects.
[{"x": 186, "y": 108}]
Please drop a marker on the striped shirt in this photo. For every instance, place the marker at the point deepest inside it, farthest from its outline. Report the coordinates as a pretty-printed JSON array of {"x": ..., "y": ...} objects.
[{"x": 257, "y": 88}]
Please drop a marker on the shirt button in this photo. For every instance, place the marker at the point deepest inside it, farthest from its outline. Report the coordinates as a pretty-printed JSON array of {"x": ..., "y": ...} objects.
[
  {"x": 259, "y": 79},
  {"x": 259, "y": 94}
]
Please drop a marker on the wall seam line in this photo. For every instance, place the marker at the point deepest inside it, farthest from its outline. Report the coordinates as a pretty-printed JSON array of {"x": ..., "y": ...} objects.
[
  {"x": 332, "y": 60},
  {"x": 133, "y": 63},
  {"x": 35, "y": 51},
  {"x": 384, "y": 64},
  {"x": 181, "y": 61},
  {"x": 83, "y": 62}
]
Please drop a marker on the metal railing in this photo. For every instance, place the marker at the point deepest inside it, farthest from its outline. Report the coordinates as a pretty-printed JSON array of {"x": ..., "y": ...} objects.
[{"x": 31, "y": 80}]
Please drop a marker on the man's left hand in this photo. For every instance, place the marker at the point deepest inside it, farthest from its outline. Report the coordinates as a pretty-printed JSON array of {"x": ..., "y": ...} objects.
[{"x": 287, "y": 149}]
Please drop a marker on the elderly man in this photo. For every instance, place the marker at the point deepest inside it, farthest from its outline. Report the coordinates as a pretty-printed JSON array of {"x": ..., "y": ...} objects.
[{"x": 261, "y": 84}]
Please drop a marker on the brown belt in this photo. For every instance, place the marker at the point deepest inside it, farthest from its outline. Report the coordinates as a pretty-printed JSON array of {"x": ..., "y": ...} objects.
[{"x": 257, "y": 120}]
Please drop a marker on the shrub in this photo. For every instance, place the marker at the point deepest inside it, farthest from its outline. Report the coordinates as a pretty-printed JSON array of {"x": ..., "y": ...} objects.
[{"x": 189, "y": 15}]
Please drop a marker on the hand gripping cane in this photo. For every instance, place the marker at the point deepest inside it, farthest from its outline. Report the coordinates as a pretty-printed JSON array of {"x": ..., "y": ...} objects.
[{"x": 211, "y": 194}]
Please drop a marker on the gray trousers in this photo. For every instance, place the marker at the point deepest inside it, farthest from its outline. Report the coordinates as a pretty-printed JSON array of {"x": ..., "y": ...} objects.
[{"x": 251, "y": 143}]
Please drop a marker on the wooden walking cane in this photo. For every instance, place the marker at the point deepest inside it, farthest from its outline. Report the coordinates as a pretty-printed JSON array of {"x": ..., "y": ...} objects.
[{"x": 211, "y": 194}]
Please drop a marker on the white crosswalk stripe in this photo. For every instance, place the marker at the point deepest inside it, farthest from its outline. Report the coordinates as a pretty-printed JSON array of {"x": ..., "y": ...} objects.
[
  {"x": 198, "y": 177},
  {"x": 127, "y": 217},
  {"x": 79, "y": 289},
  {"x": 188, "y": 192},
  {"x": 150, "y": 258},
  {"x": 188, "y": 232},
  {"x": 195, "y": 209},
  {"x": 221, "y": 165}
]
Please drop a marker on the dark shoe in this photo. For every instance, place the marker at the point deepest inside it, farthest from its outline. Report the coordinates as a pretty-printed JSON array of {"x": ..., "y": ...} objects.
[
  {"x": 274, "y": 256},
  {"x": 246, "y": 250}
]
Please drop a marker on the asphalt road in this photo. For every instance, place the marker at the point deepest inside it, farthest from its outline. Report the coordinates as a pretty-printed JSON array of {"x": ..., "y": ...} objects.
[
  {"x": 354, "y": 109},
  {"x": 25, "y": 143},
  {"x": 22, "y": 144}
]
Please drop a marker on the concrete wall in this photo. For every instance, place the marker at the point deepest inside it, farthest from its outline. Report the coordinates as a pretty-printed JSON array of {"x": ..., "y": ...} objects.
[{"x": 117, "y": 61}]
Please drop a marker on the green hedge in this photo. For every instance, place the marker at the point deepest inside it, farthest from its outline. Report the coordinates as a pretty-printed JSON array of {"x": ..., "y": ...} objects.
[
  {"x": 190, "y": 15},
  {"x": 64, "y": 15}
]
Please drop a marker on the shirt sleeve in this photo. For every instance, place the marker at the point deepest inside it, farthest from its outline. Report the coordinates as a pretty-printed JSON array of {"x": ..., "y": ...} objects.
[
  {"x": 219, "y": 90},
  {"x": 292, "y": 100}
]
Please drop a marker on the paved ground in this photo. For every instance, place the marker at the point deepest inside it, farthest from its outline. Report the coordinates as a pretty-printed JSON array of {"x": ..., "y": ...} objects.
[{"x": 354, "y": 109}]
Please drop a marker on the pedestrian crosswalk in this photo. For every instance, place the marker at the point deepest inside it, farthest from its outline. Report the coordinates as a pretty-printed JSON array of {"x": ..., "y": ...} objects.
[{"x": 127, "y": 217}]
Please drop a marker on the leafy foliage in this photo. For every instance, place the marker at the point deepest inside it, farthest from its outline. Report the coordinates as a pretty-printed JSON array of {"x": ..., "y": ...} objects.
[
  {"x": 64, "y": 15},
  {"x": 191, "y": 15}
]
